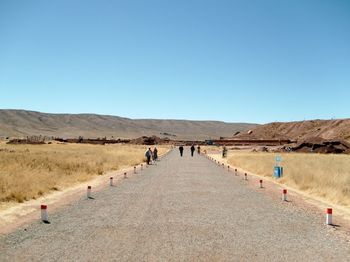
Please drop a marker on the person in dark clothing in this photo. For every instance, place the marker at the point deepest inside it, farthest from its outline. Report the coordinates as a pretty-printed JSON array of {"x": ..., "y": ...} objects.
[
  {"x": 148, "y": 155},
  {"x": 181, "y": 148},
  {"x": 192, "y": 150},
  {"x": 155, "y": 154}
]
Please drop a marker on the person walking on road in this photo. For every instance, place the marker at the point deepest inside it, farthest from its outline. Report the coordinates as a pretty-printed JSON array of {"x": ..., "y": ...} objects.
[
  {"x": 224, "y": 152},
  {"x": 148, "y": 155},
  {"x": 192, "y": 150},
  {"x": 199, "y": 149},
  {"x": 181, "y": 149},
  {"x": 155, "y": 154}
]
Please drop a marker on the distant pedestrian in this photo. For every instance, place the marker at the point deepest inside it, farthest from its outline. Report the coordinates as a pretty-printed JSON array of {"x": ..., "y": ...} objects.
[
  {"x": 199, "y": 149},
  {"x": 192, "y": 150},
  {"x": 148, "y": 155},
  {"x": 181, "y": 149},
  {"x": 224, "y": 152},
  {"x": 155, "y": 154}
]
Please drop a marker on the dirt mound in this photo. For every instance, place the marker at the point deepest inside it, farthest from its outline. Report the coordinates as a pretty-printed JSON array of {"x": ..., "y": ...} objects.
[
  {"x": 326, "y": 147},
  {"x": 25, "y": 141},
  {"x": 97, "y": 141},
  {"x": 301, "y": 131},
  {"x": 149, "y": 140}
]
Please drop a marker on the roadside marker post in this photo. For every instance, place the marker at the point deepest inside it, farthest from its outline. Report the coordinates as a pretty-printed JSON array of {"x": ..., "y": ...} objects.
[
  {"x": 134, "y": 169},
  {"x": 245, "y": 176},
  {"x": 261, "y": 183},
  {"x": 44, "y": 215},
  {"x": 111, "y": 181},
  {"x": 228, "y": 168},
  {"x": 236, "y": 174},
  {"x": 284, "y": 195},
  {"x": 88, "y": 193},
  {"x": 141, "y": 166},
  {"x": 223, "y": 165},
  {"x": 125, "y": 175},
  {"x": 329, "y": 213}
]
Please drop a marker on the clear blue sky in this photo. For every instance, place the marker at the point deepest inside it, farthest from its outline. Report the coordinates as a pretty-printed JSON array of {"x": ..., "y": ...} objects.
[{"x": 237, "y": 61}]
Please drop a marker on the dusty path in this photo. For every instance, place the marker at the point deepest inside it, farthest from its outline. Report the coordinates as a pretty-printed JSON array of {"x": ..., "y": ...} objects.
[{"x": 183, "y": 209}]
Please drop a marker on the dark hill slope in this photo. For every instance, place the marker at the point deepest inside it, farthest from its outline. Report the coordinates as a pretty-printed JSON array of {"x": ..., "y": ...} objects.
[{"x": 19, "y": 123}]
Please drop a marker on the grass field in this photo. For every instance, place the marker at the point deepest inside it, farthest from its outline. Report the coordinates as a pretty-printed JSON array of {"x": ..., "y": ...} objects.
[
  {"x": 325, "y": 176},
  {"x": 30, "y": 171}
]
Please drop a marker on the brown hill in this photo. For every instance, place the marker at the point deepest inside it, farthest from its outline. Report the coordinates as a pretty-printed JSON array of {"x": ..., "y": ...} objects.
[
  {"x": 301, "y": 131},
  {"x": 20, "y": 123}
]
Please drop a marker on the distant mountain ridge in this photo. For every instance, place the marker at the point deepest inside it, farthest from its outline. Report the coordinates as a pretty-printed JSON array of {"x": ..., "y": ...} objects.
[{"x": 21, "y": 123}]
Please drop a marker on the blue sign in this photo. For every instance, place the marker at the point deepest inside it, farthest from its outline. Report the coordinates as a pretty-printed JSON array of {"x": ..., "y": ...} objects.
[{"x": 278, "y": 171}]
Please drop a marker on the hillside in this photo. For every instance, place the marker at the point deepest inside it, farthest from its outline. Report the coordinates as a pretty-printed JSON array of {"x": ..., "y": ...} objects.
[
  {"x": 20, "y": 123},
  {"x": 301, "y": 131}
]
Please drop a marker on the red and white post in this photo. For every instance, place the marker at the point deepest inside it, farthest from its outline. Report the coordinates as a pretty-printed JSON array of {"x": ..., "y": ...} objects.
[
  {"x": 88, "y": 193},
  {"x": 125, "y": 175},
  {"x": 245, "y": 176},
  {"x": 111, "y": 181},
  {"x": 284, "y": 195},
  {"x": 44, "y": 216},
  {"x": 329, "y": 213},
  {"x": 261, "y": 183},
  {"x": 236, "y": 173}
]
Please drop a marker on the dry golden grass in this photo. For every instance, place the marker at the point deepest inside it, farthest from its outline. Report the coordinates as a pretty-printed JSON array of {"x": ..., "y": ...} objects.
[
  {"x": 29, "y": 171},
  {"x": 325, "y": 176}
]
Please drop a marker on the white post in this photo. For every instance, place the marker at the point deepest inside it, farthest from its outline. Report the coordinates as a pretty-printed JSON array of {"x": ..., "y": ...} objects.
[
  {"x": 111, "y": 181},
  {"x": 284, "y": 195},
  {"x": 329, "y": 216},
  {"x": 261, "y": 183},
  {"x": 245, "y": 176},
  {"x": 44, "y": 216},
  {"x": 141, "y": 166},
  {"x": 125, "y": 175},
  {"x": 88, "y": 193},
  {"x": 134, "y": 169},
  {"x": 236, "y": 174}
]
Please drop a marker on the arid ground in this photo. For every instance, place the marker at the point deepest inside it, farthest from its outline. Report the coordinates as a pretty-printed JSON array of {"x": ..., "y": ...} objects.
[{"x": 182, "y": 209}]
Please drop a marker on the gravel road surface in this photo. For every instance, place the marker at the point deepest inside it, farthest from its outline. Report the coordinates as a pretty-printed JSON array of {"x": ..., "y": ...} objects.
[{"x": 182, "y": 209}]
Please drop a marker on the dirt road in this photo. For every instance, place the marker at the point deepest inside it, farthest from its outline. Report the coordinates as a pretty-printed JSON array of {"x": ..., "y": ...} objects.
[{"x": 183, "y": 209}]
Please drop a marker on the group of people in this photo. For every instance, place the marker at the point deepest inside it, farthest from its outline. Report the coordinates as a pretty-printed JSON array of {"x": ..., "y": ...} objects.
[
  {"x": 181, "y": 149},
  {"x": 151, "y": 155}
]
